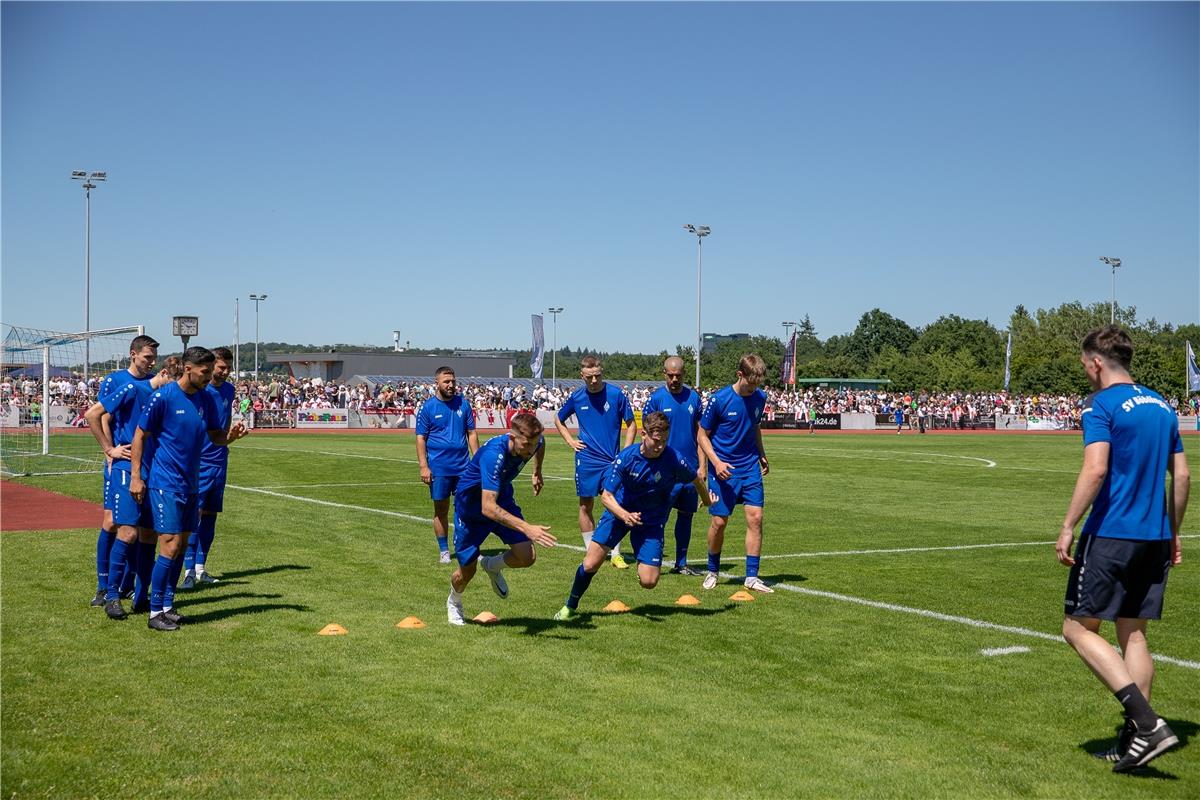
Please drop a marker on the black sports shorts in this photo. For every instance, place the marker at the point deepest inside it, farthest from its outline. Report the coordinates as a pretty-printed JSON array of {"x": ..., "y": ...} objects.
[{"x": 1118, "y": 578}]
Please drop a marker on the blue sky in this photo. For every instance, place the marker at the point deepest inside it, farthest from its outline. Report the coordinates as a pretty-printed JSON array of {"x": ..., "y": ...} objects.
[{"x": 448, "y": 169}]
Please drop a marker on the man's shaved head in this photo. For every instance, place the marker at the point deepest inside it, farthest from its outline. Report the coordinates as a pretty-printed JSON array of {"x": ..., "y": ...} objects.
[{"x": 673, "y": 364}]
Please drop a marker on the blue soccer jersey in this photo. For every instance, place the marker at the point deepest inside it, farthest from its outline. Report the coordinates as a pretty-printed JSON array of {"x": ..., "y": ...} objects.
[
  {"x": 1143, "y": 433},
  {"x": 644, "y": 485},
  {"x": 445, "y": 426},
  {"x": 731, "y": 422},
  {"x": 179, "y": 423},
  {"x": 599, "y": 416},
  {"x": 493, "y": 468},
  {"x": 214, "y": 458},
  {"x": 123, "y": 397},
  {"x": 683, "y": 411}
]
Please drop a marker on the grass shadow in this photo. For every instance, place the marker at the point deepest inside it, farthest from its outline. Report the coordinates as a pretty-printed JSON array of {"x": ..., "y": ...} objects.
[
  {"x": 246, "y": 573},
  {"x": 257, "y": 608},
  {"x": 1184, "y": 729},
  {"x": 190, "y": 600},
  {"x": 541, "y": 626},
  {"x": 657, "y": 612},
  {"x": 785, "y": 577}
]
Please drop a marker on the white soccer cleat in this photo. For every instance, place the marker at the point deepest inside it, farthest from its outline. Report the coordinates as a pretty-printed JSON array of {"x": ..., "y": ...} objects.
[
  {"x": 189, "y": 580},
  {"x": 499, "y": 585},
  {"x": 454, "y": 611},
  {"x": 710, "y": 580},
  {"x": 444, "y": 558},
  {"x": 757, "y": 585}
]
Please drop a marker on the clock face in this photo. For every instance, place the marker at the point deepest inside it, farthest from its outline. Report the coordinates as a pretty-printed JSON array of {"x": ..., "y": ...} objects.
[{"x": 185, "y": 326}]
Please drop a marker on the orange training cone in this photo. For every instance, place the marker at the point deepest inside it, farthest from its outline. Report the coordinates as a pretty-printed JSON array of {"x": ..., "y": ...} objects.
[
  {"x": 332, "y": 629},
  {"x": 688, "y": 600},
  {"x": 741, "y": 596},
  {"x": 616, "y": 607},
  {"x": 486, "y": 618},
  {"x": 410, "y": 623}
]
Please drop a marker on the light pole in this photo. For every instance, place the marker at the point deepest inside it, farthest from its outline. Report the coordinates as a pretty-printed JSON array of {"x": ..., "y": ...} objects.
[
  {"x": 700, "y": 232},
  {"x": 257, "y": 298},
  {"x": 787, "y": 331},
  {"x": 1114, "y": 263},
  {"x": 554, "y": 352},
  {"x": 87, "y": 178}
]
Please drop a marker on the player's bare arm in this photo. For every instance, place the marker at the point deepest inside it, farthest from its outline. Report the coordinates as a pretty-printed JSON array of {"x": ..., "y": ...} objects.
[
  {"x": 571, "y": 441},
  {"x": 762, "y": 451},
  {"x": 633, "y": 519},
  {"x": 720, "y": 468},
  {"x": 137, "y": 487},
  {"x": 538, "y": 534},
  {"x": 1087, "y": 486},
  {"x": 423, "y": 460},
  {"x": 1181, "y": 478}
]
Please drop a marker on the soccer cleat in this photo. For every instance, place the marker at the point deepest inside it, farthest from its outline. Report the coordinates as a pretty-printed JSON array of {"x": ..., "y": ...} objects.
[
  {"x": 444, "y": 558},
  {"x": 98, "y": 601},
  {"x": 684, "y": 570},
  {"x": 618, "y": 561},
  {"x": 757, "y": 585},
  {"x": 710, "y": 580},
  {"x": 1114, "y": 753},
  {"x": 499, "y": 585},
  {"x": 114, "y": 609},
  {"x": 454, "y": 611},
  {"x": 159, "y": 622},
  {"x": 140, "y": 608},
  {"x": 175, "y": 616},
  {"x": 565, "y": 614},
  {"x": 1145, "y": 746},
  {"x": 204, "y": 577},
  {"x": 127, "y": 594},
  {"x": 189, "y": 580}
]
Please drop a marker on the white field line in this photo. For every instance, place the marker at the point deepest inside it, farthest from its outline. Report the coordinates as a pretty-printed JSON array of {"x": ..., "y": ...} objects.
[
  {"x": 987, "y": 462},
  {"x": 1003, "y": 651}
]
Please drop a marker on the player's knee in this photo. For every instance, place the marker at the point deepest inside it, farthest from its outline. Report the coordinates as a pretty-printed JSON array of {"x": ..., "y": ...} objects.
[{"x": 648, "y": 581}]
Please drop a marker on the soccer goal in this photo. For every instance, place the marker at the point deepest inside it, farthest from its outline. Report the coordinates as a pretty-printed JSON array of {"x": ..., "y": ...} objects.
[{"x": 48, "y": 380}]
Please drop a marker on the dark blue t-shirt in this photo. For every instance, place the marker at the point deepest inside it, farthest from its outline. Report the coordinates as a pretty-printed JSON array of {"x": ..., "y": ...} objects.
[
  {"x": 214, "y": 458},
  {"x": 445, "y": 425},
  {"x": 493, "y": 468},
  {"x": 644, "y": 485},
  {"x": 599, "y": 416},
  {"x": 1143, "y": 433},
  {"x": 732, "y": 425},
  {"x": 123, "y": 397},
  {"x": 179, "y": 423},
  {"x": 683, "y": 411}
]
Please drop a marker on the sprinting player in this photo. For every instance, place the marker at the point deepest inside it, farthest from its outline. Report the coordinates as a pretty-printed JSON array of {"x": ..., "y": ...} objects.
[
  {"x": 214, "y": 466},
  {"x": 638, "y": 495},
  {"x": 484, "y": 504},
  {"x": 599, "y": 410},
  {"x": 899, "y": 416},
  {"x": 177, "y": 419},
  {"x": 682, "y": 407},
  {"x": 446, "y": 440},
  {"x": 731, "y": 440},
  {"x": 1130, "y": 540},
  {"x": 143, "y": 354}
]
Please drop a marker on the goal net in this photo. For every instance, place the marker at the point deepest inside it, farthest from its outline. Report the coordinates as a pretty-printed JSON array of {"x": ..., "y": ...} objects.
[{"x": 48, "y": 379}]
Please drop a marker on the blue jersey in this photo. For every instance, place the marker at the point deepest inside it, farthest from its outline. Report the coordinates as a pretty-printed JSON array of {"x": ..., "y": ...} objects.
[
  {"x": 599, "y": 416},
  {"x": 731, "y": 422},
  {"x": 644, "y": 484},
  {"x": 493, "y": 468},
  {"x": 1143, "y": 433},
  {"x": 179, "y": 423},
  {"x": 123, "y": 397},
  {"x": 214, "y": 458},
  {"x": 445, "y": 425},
  {"x": 683, "y": 411}
]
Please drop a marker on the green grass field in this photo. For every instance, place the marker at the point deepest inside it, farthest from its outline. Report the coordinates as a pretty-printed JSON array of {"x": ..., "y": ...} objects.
[{"x": 835, "y": 686}]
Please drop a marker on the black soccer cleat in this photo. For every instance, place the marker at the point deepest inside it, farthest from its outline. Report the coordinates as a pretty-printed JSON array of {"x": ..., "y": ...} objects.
[
  {"x": 1145, "y": 746},
  {"x": 176, "y": 617},
  {"x": 98, "y": 601},
  {"x": 159, "y": 622},
  {"x": 1124, "y": 737},
  {"x": 115, "y": 610}
]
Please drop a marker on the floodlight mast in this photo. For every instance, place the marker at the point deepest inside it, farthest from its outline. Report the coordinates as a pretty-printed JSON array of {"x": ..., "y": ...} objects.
[
  {"x": 88, "y": 185},
  {"x": 1114, "y": 263},
  {"x": 554, "y": 352},
  {"x": 257, "y": 298},
  {"x": 700, "y": 231}
]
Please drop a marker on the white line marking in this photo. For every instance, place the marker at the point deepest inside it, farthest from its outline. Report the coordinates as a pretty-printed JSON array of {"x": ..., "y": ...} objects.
[
  {"x": 1003, "y": 651},
  {"x": 331, "y": 504},
  {"x": 912, "y": 549},
  {"x": 987, "y": 462}
]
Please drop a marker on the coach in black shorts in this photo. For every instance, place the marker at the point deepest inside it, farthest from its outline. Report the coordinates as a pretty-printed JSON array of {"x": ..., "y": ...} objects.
[{"x": 1130, "y": 540}]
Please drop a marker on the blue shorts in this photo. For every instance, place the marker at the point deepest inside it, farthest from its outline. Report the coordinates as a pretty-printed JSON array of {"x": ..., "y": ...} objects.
[
  {"x": 589, "y": 477},
  {"x": 646, "y": 540},
  {"x": 174, "y": 512},
  {"x": 470, "y": 531},
  {"x": 107, "y": 487},
  {"x": 684, "y": 498},
  {"x": 212, "y": 496},
  {"x": 126, "y": 510},
  {"x": 744, "y": 486},
  {"x": 442, "y": 487}
]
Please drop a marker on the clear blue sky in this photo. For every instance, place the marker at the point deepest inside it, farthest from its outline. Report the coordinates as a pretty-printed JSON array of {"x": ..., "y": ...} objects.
[{"x": 448, "y": 169}]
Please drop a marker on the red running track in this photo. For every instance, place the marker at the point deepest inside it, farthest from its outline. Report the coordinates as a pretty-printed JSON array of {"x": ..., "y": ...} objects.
[{"x": 27, "y": 508}]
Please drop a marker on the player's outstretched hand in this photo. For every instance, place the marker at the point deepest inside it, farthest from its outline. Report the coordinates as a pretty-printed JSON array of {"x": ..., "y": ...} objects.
[
  {"x": 540, "y": 534},
  {"x": 632, "y": 518},
  {"x": 1062, "y": 548},
  {"x": 242, "y": 430},
  {"x": 577, "y": 445},
  {"x": 120, "y": 452},
  {"x": 426, "y": 476},
  {"x": 722, "y": 469},
  {"x": 538, "y": 483}
]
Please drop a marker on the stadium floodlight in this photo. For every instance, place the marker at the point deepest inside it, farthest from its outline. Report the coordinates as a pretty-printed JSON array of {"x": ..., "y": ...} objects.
[
  {"x": 699, "y": 231},
  {"x": 1114, "y": 263},
  {"x": 787, "y": 330},
  {"x": 257, "y": 298},
  {"x": 554, "y": 352},
  {"x": 82, "y": 175}
]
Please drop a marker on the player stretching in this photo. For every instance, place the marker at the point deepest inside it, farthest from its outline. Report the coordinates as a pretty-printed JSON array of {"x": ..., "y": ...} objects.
[
  {"x": 178, "y": 418},
  {"x": 484, "y": 504},
  {"x": 446, "y": 440},
  {"x": 599, "y": 410},
  {"x": 682, "y": 407},
  {"x": 214, "y": 466},
  {"x": 637, "y": 495},
  {"x": 1130, "y": 540},
  {"x": 731, "y": 440}
]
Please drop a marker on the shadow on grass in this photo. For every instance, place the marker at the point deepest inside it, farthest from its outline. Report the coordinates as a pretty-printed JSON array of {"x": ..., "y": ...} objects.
[
  {"x": 785, "y": 577},
  {"x": 657, "y": 612},
  {"x": 586, "y": 621},
  {"x": 246, "y": 573},
  {"x": 256, "y": 608},
  {"x": 188, "y": 599},
  {"x": 1184, "y": 729}
]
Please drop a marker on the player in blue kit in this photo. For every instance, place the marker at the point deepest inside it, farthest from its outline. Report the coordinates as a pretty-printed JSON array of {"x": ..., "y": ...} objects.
[
  {"x": 1130, "y": 540},
  {"x": 731, "y": 440},
  {"x": 484, "y": 504},
  {"x": 178, "y": 418},
  {"x": 637, "y": 495},
  {"x": 446, "y": 440},
  {"x": 599, "y": 409},
  {"x": 214, "y": 466},
  {"x": 683, "y": 407}
]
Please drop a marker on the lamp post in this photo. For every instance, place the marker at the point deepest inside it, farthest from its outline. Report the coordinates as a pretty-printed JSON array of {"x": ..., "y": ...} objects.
[
  {"x": 554, "y": 352},
  {"x": 700, "y": 231},
  {"x": 787, "y": 331},
  {"x": 257, "y": 298},
  {"x": 1114, "y": 263},
  {"x": 88, "y": 185}
]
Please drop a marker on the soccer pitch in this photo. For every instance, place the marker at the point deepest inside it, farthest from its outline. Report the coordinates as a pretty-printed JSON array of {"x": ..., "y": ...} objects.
[{"x": 897, "y": 561}]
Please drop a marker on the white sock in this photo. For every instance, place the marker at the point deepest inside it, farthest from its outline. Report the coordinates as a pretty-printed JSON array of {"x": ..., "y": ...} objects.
[
  {"x": 455, "y": 595},
  {"x": 587, "y": 538},
  {"x": 199, "y": 570},
  {"x": 493, "y": 563}
]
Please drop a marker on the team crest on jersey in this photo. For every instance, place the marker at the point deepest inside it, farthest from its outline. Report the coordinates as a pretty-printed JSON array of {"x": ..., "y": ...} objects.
[
  {"x": 459, "y": 412},
  {"x": 657, "y": 477}
]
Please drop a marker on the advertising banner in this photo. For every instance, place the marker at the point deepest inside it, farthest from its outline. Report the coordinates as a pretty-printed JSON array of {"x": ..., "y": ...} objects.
[
  {"x": 827, "y": 422},
  {"x": 322, "y": 418}
]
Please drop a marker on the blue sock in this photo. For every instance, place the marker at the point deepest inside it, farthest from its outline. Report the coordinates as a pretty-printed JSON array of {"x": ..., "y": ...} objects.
[
  {"x": 203, "y": 537},
  {"x": 443, "y": 544},
  {"x": 118, "y": 559},
  {"x": 131, "y": 563},
  {"x": 189, "y": 555},
  {"x": 583, "y": 579},
  {"x": 683, "y": 537},
  {"x": 714, "y": 561},
  {"x": 158, "y": 583},
  {"x": 751, "y": 566},
  {"x": 104, "y": 543},
  {"x": 172, "y": 582},
  {"x": 145, "y": 568}
]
